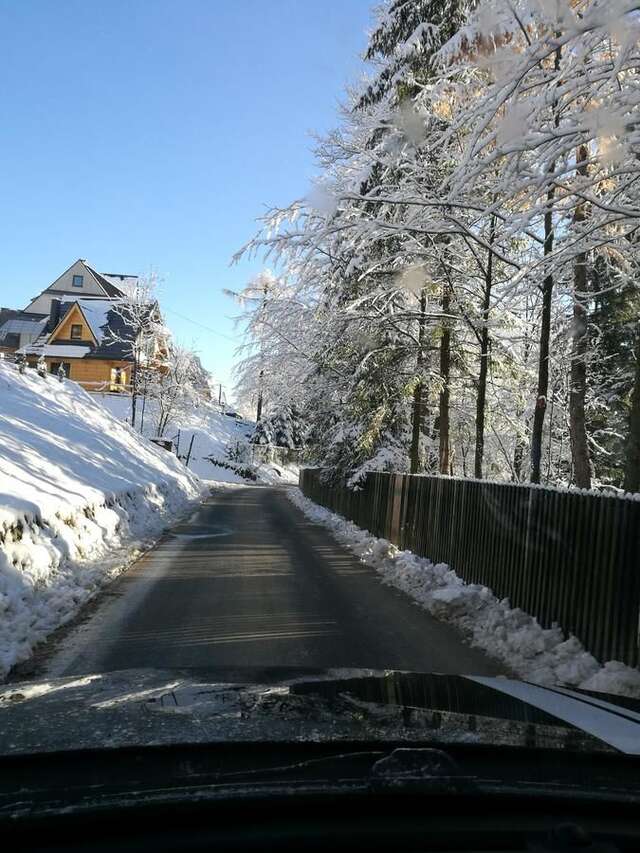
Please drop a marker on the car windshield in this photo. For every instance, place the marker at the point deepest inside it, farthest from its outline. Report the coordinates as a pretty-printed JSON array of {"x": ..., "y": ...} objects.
[{"x": 320, "y": 374}]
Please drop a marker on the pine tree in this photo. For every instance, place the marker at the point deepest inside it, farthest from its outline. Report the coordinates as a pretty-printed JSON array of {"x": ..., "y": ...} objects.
[
  {"x": 282, "y": 425},
  {"x": 262, "y": 433},
  {"x": 419, "y": 27},
  {"x": 613, "y": 333},
  {"x": 298, "y": 428},
  {"x": 632, "y": 467}
]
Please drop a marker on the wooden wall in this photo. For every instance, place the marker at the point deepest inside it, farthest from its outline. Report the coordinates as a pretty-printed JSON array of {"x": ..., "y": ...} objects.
[
  {"x": 63, "y": 332},
  {"x": 91, "y": 372}
]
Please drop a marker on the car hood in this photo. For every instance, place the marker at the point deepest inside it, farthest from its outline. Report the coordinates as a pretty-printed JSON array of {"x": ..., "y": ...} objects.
[{"x": 142, "y": 707}]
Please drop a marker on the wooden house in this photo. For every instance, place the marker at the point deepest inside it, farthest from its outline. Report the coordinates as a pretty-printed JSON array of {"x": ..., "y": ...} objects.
[{"x": 80, "y": 323}]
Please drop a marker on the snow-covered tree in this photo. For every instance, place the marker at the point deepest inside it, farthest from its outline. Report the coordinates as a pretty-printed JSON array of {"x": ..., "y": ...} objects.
[
  {"x": 141, "y": 334},
  {"x": 175, "y": 388},
  {"x": 448, "y": 294},
  {"x": 282, "y": 428},
  {"x": 262, "y": 433}
]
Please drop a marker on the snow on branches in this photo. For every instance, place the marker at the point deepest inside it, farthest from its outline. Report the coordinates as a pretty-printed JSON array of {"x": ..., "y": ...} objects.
[{"x": 448, "y": 293}]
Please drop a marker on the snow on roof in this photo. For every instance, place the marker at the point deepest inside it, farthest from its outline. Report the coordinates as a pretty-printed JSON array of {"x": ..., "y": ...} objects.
[
  {"x": 96, "y": 312},
  {"x": 65, "y": 350},
  {"x": 62, "y": 350},
  {"x": 19, "y": 325},
  {"x": 126, "y": 283}
]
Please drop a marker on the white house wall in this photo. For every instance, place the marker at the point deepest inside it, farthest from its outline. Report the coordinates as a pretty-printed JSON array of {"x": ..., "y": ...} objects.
[{"x": 42, "y": 303}]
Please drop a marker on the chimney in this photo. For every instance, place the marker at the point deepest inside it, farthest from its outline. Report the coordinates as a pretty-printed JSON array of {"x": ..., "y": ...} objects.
[{"x": 54, "y": 314}]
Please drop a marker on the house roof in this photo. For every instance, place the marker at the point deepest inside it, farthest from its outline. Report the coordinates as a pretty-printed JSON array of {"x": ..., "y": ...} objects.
[
  {"x": 122, "y": 281},
  {"x": 64, "y": 350},
  {"x": 96, "y": 313},
  {"x": 7, "y": 314},
  {"x": 15, "y": 323},
  {"x": 109, "y": 287},
  {"x": 112, "y": 333}
]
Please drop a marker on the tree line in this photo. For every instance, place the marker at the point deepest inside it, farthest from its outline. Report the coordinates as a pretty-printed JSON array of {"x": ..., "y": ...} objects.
[{"x": 458, "y": 293}]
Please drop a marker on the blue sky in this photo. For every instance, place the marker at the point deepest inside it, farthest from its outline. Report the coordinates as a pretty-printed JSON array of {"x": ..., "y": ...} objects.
[{"x": 153, "y": 132}]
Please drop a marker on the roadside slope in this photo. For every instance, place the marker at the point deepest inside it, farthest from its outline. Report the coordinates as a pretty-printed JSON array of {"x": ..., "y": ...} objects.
[
  {"x": 78, "y": 491},
  {"x": 217, "y": 440}
]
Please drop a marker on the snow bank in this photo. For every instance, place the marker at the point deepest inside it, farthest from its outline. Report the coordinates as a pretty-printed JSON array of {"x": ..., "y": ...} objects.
[
  {"x": 509, "y": 634},
  {"x": 79, "y": 492}
]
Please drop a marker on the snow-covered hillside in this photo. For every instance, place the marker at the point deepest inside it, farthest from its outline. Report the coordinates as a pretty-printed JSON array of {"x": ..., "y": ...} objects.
[
  {"x": 213, "y": 432},
  {"x": 78, "y": 490}
]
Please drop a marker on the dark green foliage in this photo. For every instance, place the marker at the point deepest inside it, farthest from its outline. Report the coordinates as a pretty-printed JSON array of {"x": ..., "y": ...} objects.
[
  {"x": 404, "y": 19},
  {"x": 263, "y": 433},
  {"x": 614, "y": 329}
]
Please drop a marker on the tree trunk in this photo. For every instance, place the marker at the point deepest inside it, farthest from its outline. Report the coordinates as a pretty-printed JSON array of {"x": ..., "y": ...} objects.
[
  {"x": 545, "y": 326},
  {"x": 543, "y": 362},
  {"x": 134, "y": 387},
  {"x": 144, "y": 406},
  {"x": 445, "y": 371},
  {"x": 259, "y": 409},
  {"x": 419, "y": 391},
  {"x": 577, "y": 424},
  {"x": 518, "y": 459},
  {"x": 632, "y": 465},
  {"x": 484, "y": 357}
]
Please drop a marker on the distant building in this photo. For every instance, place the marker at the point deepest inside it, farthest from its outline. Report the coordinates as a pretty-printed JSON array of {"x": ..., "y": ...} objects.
[
  {"x": 18, "y": 329},
  {"x": 76, "y": 322}
]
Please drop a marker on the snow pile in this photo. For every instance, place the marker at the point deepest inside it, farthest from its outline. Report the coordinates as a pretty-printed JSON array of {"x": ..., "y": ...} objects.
[
  {"x": 509, "y": 634},
  {"x": 274, "y": 474},
  {"x": 79, "y": 491},
  {"x": 215, "y": 434}
]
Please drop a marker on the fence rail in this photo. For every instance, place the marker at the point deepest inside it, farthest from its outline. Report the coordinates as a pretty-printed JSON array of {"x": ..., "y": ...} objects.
[{"x": 565, "y": 557}]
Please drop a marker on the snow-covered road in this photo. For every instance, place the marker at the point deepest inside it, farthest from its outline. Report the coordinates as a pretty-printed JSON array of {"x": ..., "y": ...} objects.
[{"x": 250, "y": 581}]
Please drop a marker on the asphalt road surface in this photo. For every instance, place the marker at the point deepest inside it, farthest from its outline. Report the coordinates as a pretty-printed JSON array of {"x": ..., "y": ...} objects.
[{"x": 249, "y": 581}]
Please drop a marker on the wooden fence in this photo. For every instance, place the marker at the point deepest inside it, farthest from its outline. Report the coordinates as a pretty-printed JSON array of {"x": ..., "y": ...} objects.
[{"x": 569, "y": 558}]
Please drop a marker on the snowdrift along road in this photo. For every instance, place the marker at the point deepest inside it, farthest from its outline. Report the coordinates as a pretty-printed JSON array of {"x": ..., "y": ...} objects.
[{"x": 79, "y": 492}]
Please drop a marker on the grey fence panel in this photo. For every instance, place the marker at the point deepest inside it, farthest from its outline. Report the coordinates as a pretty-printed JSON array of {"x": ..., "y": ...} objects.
[{"x": 567, "y": 558}]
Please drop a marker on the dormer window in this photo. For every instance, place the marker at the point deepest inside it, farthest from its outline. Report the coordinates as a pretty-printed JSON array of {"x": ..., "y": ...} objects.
[
  {"x": 76, "y": 332},
  {"x": 78, "y": 280}
]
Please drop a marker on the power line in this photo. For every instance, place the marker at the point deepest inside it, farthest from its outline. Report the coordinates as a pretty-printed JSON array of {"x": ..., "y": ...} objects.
[{"x": 202, "y": 325}]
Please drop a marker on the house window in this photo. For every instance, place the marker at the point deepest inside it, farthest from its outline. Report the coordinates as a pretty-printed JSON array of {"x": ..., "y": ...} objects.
[
  {"x": 54, "y": 367},
  {"x": 78, "y": 280},
  {"x": 76, "y": 332}
]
